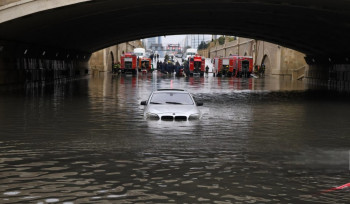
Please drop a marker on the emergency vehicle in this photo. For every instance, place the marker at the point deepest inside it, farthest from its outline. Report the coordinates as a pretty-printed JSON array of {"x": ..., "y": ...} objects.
[
  {"x": 244, "y": 66},
  {"x": 228, "y": 66},
  {"x": 128, "y": 63},
  {"x": 145, "y": 64},
  {"x": 190, "y": 52},
  {"x": 196, "y": 65},
  {"x": 237, "y": 66},
  {"x": 140, "y": 52}
]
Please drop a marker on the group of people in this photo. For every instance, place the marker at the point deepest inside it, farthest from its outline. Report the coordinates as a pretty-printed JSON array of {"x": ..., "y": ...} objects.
[
  {"x": 169, "y": 67},
  {"x": 154, "y": 56},
  {"x": 260, "y": 70}
]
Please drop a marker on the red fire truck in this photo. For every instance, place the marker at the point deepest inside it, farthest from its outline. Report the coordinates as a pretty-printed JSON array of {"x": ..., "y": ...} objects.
[
  {"x": 196, "y": 65},
  {"x": 228, "y": 66},
  {"x": 244, "y": 66},
  {"x": 233, "y": 66},
  {"x": 145, "y": 64},
  {"x": 128, "y": 63},
  {"x": 224, "y": 66}
]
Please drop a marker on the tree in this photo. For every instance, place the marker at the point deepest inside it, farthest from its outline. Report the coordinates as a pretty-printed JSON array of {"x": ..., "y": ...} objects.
[
  {"x": 221, "y": 40},
  {"x": 203, "y": 46}
]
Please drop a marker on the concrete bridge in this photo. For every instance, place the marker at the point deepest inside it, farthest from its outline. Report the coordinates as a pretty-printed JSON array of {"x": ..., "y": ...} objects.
[{"x": 62, "y": 30}]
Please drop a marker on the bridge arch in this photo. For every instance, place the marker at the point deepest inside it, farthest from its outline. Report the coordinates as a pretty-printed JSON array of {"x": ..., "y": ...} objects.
[
  {"x": 267, "y": 62},
  {"x": 90, "y": 25},
  {"x": 110, "y": 61}
]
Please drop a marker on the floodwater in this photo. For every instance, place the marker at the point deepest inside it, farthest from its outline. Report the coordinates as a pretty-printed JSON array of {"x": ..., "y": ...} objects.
[{"x": 260, "y": 141}]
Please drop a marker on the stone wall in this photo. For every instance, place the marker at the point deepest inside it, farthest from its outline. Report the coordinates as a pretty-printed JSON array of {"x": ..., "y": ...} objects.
[
  {"x": 270, "y": 55},
  {"x": 103, "y": 60},
  {"x": 96, "y": 60},
  {"x": 204, "y": 53},
  {"x": 292, "y": 59}
]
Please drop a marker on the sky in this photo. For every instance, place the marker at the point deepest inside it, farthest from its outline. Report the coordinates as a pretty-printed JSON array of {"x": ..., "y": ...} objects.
[
  {"x": 174, "y": 39},
  {"x": 180, "y": 39}
]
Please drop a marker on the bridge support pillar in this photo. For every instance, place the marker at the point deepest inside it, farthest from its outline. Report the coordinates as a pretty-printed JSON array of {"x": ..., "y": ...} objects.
[{"x": 21, "y": 63}]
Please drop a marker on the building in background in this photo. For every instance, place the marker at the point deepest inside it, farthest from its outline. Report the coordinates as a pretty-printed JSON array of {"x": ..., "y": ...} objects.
[
  {"x": 195, "y": 40},
  {"x": 155, "y": 45},
  {"x": 174, "y": 48},
  {"x": 151, "y": 41},
  {"x": 159, "y": 40}
]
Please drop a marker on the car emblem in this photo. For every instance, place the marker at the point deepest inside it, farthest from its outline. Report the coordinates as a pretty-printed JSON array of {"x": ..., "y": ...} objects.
[{"x": 173, "y": 113}]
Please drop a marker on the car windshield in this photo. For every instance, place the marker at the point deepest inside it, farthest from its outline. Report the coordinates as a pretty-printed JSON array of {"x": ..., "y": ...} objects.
[{"x": 171, "y": 98}]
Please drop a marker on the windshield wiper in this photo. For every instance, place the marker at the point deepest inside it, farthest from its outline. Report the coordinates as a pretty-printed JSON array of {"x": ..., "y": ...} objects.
[
  {"x": 155, "y": 103},
  {"x": 173, "y": 102}
]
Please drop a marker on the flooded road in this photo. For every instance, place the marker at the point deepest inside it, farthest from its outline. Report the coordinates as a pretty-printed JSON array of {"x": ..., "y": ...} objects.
[{"x": 259, "y": 141}]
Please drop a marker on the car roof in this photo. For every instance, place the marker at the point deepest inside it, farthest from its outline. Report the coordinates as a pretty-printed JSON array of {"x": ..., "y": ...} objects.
[{"x": 170, "y": 90}]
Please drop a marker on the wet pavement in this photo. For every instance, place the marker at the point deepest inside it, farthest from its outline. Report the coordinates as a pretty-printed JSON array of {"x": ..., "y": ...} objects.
[{"x": 259, "y": 141}]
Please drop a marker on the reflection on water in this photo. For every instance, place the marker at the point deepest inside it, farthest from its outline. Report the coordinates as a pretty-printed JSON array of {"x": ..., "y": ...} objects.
[{"x": 260, "y": 141}]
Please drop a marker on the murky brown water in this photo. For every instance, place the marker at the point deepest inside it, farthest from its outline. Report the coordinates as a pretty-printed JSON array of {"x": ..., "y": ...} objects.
[{"x": 260, "y": 141}]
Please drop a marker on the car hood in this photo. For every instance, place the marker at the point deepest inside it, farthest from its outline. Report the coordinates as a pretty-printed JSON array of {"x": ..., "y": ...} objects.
[{"x": 177, "y": 109}]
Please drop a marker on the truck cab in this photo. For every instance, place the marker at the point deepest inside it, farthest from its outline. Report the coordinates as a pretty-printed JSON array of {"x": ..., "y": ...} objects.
[
  {"x": 140, "y": 52},
  {"x": 145, "y": 64},
  {"x": 245, "y": 66},
  {"x": 196, "y": 65},
  {"x": 128, "y": 63},
  {"x": 190, "y": 53}
]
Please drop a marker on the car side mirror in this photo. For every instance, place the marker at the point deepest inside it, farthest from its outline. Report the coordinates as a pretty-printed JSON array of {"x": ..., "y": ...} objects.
[
  {"x": 144, "y": 103},
  {"x": 199, "y": 103}
]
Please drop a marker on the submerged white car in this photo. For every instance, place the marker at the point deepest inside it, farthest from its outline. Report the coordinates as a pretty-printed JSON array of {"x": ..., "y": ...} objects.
[{"x": 171, "y": 104}]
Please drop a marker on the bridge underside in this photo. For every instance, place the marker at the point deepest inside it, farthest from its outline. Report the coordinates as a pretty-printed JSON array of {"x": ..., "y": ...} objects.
[
  {"x": 317, "y": 28},
  {"x": 69, "y": 34}
]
